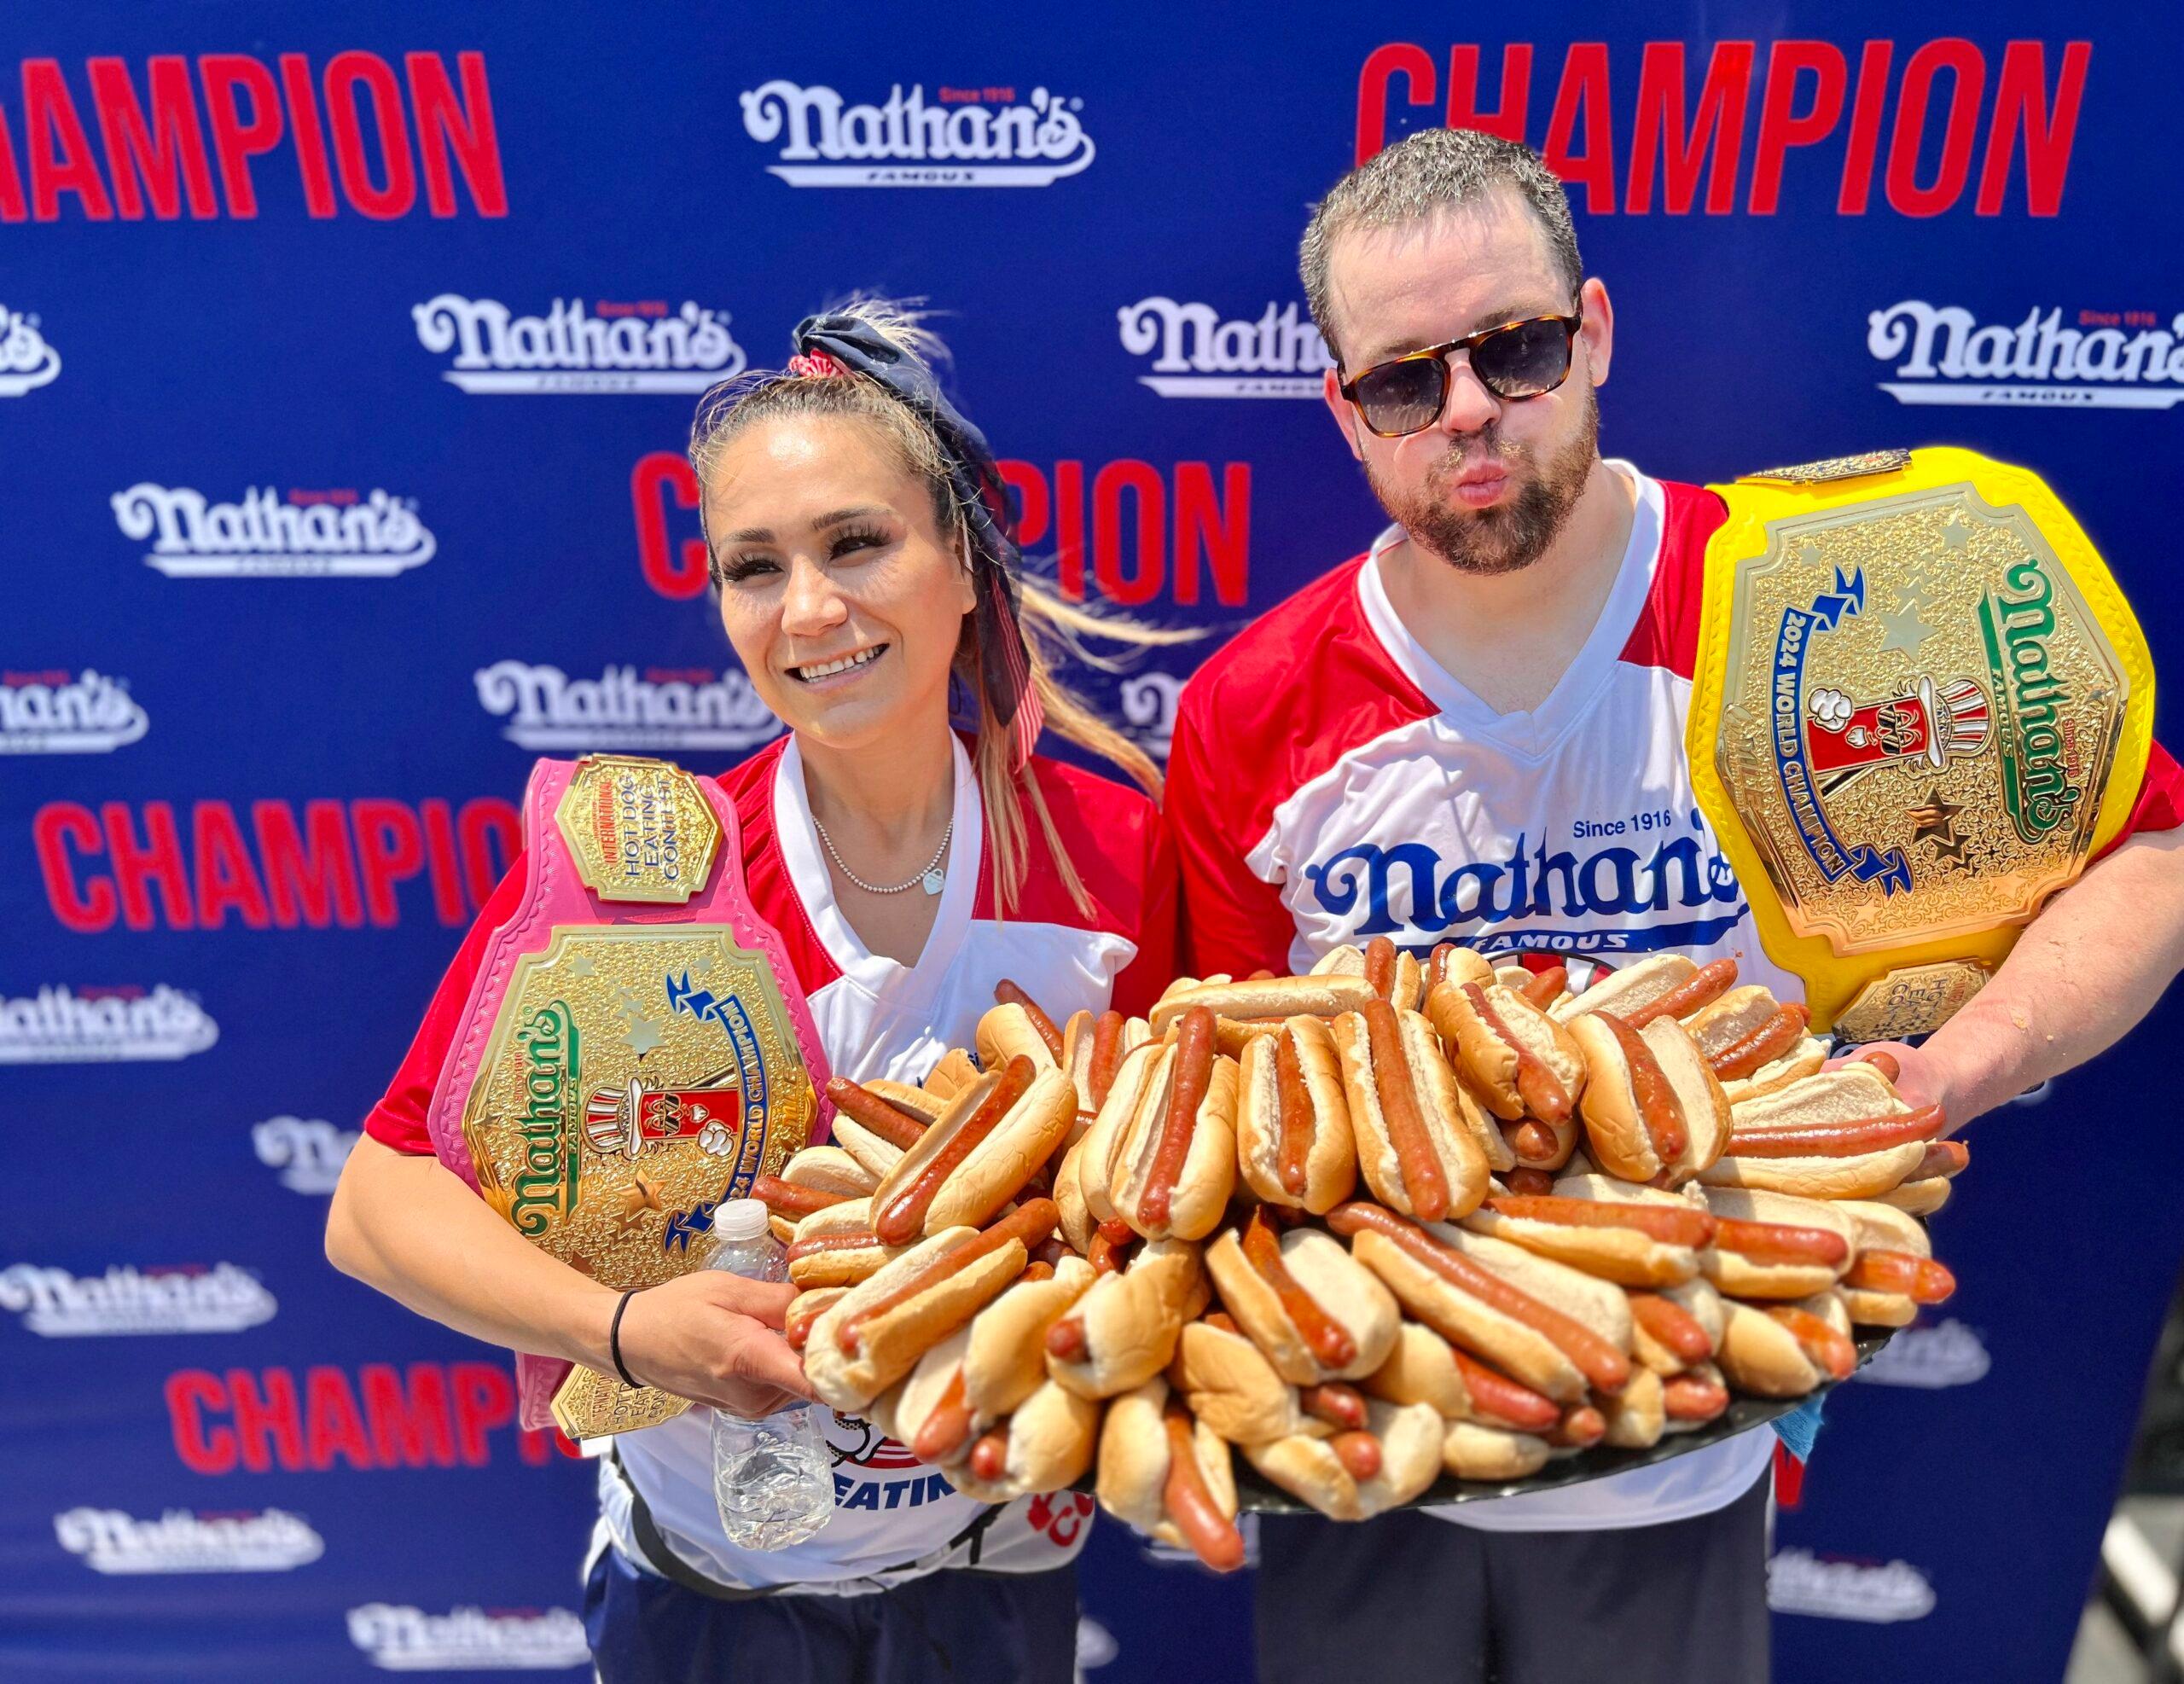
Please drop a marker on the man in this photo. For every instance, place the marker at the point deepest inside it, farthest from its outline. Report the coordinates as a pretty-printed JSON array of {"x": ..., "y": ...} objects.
[{"x": 1432, "y": 742}]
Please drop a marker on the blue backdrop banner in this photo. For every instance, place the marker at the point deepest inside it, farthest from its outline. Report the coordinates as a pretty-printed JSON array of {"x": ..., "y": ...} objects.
[{"x": 345, "y": 360}]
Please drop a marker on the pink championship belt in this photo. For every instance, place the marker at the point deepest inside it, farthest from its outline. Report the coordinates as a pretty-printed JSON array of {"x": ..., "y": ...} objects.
[{"x": 635, "y": 1049}]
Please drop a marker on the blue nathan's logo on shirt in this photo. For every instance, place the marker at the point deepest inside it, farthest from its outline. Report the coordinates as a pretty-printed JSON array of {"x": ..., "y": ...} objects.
[{"x": 1516, "y": 901}]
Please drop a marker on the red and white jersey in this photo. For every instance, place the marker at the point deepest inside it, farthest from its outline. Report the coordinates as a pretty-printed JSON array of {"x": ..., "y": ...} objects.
[
  {"x": 876, "y": 1018},
  {"x": 1330, "y": 783}
]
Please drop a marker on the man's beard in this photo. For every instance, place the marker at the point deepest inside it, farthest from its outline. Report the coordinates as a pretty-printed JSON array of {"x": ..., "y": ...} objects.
[{"x": 1511, "y": 535}]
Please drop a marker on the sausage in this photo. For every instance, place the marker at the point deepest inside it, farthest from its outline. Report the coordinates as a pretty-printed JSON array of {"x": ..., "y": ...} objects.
[
  {"x": 1607, "y": 1368},
  {"x": 1037, "y": 1269},
  {"x": 1212, "y": 1535},
  {"x": 1108, "y": 1243},
  {"x": 1189, "y": 1077},
  {"x": 868, "y": 1109},
  {"x": 1066, "y": 1339},
  {"x": 1380, "y": 966},
  {"x": 1702, "y": 988},
  {"x": 1944, "y": 1158},
  {"x": 1026, "y": 1225},
  {"x": 944, "y": 1431},
  {"x": 901, "y": 1219},
  {"x": 786, "y": 1199},
  {"x": 1359, "y": 1452},
  {"x": 1779, "y": 1242},
  {"x": 990, "y": 1456},
  {"x": 1532, "y": 1140},
  {"x": 1494, "y": 1393},
  {"x": 1222, "y": 1320},
  {"x": 1526, "y": 1182},
  {"x": 1921, "y": 1280},
  {"x": 804, "y": 1309},
  {"x": 1659, "y": 1112},
  {"x": 1544, "y": 988},
  {"x": 1667, "y": 1323},
  {"x": 1293, "y": 1114},
  {"x": 1885, "y": 1063},
  {"x": 1692, "y": 1397},
  {"x": 845, "y": 1240},
  {"x": 1836, "y": 1140},
  {"x": 1328, "y": 1340},
  {"x": 1826, "y": 1347},
  {"x": 1333, "y": 1402},
  {"x": 1763, "y": 1045},
  {"x": 1418, "y": 1163},
  {"x": 1538, "y": 1087},
  {"x": 1052, "y": 1251},
  {"x": 1581, "y": 1426},
  {"x": 1692, "y": 1227},
  {"x": 1107, "y": 1057},
  {"x": 1437, "y": 965},
  {"x": 1005, "y": 993}
]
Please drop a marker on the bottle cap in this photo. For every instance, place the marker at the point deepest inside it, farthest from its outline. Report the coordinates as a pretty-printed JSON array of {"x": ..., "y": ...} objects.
[{"x": 740, "y": 1219}]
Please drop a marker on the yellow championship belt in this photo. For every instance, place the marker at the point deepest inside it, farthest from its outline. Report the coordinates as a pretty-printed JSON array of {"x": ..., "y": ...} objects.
[{"x": 1921, "y": 704}]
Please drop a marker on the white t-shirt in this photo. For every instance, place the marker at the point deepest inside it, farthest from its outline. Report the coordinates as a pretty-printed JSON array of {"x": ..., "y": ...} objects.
[{"x": 1330, "y": 783}]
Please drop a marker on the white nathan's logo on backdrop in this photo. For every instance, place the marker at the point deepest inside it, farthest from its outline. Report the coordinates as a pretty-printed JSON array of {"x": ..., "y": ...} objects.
[
  {"x": 309, "y": 1152},
  {"x": 1148, "y": 704},
  {"x": 1800, "y": 1582},
  {"x": 178, "y": 1542},
  {"x": 623, "y": 709},
  {"x": 59, "y": 1025},
  {"x": 639, "y": 347},
  {"x": 960, "y": 137},
  {"x": 1947, "y": 1353},
  {"x": 1196, "y": 353},
  {"x": 338, "y": 534},
  {"x": 2099, "y": 360},
  {"x": 86, "y": 712},
  {"x": 27, "y": 361},
  {"x": 404, "y": 1638},
  {"x": 56, "y": 1305}
]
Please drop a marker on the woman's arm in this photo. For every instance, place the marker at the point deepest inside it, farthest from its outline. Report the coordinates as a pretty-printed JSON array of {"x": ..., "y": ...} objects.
[{"x": 404, "y": 1224}]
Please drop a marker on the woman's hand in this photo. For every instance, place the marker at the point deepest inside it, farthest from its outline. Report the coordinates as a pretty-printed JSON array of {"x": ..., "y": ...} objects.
[{"x": 714, "y": 1337}]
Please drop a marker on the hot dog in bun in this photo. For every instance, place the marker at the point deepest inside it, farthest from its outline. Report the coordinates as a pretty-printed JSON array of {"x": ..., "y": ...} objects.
[
  {"x": 1162, "y": 1153},
  {"x": 1356, "y": 1472},
  {"x": 1169, "y": 1476},
  {"x": 1394, "y": 975},
  {"x": 1894, "y": 1273},
  {"x": 1841, "y": 1134},
  {"x": 1124, "y": 1330},
  {"x": 1422, "y": 1146},
  {"x": 1755, "y": 1043},
  {"x": 1787, "y": 1350},
  {"x": 1776, "y": 1245},
  {"x": 991, "y": 1140},
  {"x": 1653, "y": 1111},
  {"x": 1521, "y": 1062},
  {"x": 1317, "y": 1313},
  {"x": 1294, "y": 1142}
]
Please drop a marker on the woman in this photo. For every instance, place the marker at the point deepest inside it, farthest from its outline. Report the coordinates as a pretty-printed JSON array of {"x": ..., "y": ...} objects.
[{"x": 866, "y": 577}]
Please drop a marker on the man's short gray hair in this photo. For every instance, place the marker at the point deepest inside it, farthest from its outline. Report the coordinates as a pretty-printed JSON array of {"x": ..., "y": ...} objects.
[{"x": 1433, "y": 170}]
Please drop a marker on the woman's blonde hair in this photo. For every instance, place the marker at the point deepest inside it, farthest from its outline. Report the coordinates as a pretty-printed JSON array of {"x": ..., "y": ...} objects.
[{"x": 1054, "y": 629}]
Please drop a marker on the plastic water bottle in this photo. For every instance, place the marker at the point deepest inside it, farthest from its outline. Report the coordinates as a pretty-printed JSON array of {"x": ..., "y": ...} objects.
[{"x": 773, "y": 1478}]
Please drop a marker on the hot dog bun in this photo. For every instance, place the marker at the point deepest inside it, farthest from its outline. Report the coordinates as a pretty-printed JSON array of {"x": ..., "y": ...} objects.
[
  {"x": 1124, "y": 1141},
  {"x": 999, "y": 1164},
  {"x": 839, "y": 1268},
  {"x": 1456, "y": 1132},
  {"x": 1131, "y": 1321},
  {"x": 1491, "y": 1059},
  {"x": 1849, "y": 1093},
  {"x": 1134, "y": 1464},
  {"x": 1349, "y": 960},
  {"x": 1005, "y": 1032},
  {"x": 1233, "y": 1388},
  {"x": 1243, "y": 1009},
  {"x": 1738, "y": 1013},
  {"x": 1918, "y": 1197},
  {"x": 1410, "y": 1438},
  {"x": 1331, "y": 1159},
  {"x": 1471, "y": 1450},
  {"x": 1349, "y": 1293},
  {"x": 1743, "y": 1277},
  {"x": 1079, "y": 1036},
  {"x": 1626, "y": 991},
  {"x": 1635, "y": 1418},
  {"x": 1761, "y": 1356},
  {"x": 824, "y": 1168},
  {"x": 1626, "y": 1256},
  {"x": 953, "y": 1073},
  {"x": 891, "y": 1341},
  {"x": 1051, "y": 1438},
  {"x": 1883, "y": 1227},
  {"x": 1615, "y": 1127},
  {"x": 1700, "y": 1301}
]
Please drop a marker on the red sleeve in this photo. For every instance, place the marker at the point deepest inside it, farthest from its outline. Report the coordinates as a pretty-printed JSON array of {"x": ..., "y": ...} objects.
[
  {"x": 1143, "y": 980},
  {"x": 2160, "y": 805},
  {"x": 398, "y": 1119},
  {"x": 1232, "y": 922}
]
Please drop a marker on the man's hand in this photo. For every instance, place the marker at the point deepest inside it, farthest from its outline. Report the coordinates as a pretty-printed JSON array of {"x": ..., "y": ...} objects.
[
  {"x": 1920, "y": 1077},
  {"x": 715, "y": 1338}
]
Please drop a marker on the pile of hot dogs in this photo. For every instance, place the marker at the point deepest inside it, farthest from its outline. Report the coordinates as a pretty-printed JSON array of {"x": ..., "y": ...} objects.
[{"x": 1346, "y": 1224}]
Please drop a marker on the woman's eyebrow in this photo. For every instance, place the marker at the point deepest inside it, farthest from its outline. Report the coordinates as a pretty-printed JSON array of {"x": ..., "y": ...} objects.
[{"x": 836, "y": 517}]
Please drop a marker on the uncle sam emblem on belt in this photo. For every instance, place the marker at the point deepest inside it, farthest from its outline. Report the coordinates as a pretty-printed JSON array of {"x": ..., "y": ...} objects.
[{"x": 1921, "y": 704}]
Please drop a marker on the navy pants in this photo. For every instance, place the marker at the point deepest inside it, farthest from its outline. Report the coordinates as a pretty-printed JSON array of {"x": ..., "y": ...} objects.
[
  {"x": 959, "y": 1626},
  {"x": 1407, "y": 1598}
]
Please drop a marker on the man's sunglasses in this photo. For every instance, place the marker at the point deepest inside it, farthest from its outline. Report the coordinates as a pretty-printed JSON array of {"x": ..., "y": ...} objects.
[{"x": 1514, "y": 360}]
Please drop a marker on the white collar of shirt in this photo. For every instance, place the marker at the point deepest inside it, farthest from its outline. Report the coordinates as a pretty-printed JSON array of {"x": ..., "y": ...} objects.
[
  {"x": 1531, "y": 736},
  {"x": 910, "y": 989}
]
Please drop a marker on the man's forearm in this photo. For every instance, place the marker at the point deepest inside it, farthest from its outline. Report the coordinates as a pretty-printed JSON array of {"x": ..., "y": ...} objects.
[{"x": 2084, "y": 973}]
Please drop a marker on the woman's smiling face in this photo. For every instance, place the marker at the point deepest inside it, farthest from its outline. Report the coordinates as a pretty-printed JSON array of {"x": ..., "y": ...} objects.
[{"x": 842, "y": 595}]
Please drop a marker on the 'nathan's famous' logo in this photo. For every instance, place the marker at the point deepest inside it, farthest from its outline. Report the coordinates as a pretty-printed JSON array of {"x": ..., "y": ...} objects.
[
  {"x": 59, "y": 1025},
  {"x": 641, "y": 347},
  {"x": 964, "y": 137},
  {"x": 272, "y": 1541},
  {"x": 547, "y": 709},
  {"x": 545, "y": 1187},
  {"x": 337, "y": 534},
  {"x": 2123, "y": 359},
  {"x": 402, "y": 1638},
  {"x": 27, "y": 361},
  {"x": 309, "y": 1152},
  {"x": 54, "y": 713},
  {"x": 2016, "y": 624},
  {"x": 57, "y": 1304},
  {"x": 1198, "y": 355}
]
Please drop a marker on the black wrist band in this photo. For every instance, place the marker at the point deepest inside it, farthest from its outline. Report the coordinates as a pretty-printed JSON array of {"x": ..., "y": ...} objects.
[{"x": 614, "y": 1343}]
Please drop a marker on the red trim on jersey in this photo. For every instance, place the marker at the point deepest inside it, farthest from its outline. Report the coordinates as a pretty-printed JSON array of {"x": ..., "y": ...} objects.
[
  {"x": 750, "y": 786},
  {"x": 1295, "y": 691},
  {"x": 1667, "y": 632}
]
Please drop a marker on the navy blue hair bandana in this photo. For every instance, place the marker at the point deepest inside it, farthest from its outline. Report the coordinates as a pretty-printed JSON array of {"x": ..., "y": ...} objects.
[{"x": 825, "y": 343}]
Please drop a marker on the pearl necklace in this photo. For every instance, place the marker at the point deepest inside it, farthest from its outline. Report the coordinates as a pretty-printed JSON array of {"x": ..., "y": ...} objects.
[{"x": 929, "y": 880}]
